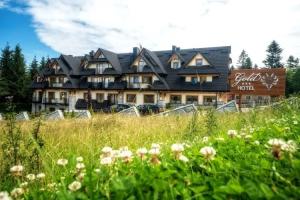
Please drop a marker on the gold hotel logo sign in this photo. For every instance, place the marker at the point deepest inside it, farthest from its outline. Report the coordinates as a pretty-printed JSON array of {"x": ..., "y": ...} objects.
[
  {"x": 258, "y": 81},
  {"x": 244, "y": 82}
]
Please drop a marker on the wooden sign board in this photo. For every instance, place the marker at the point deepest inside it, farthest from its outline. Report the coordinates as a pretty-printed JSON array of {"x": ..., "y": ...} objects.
[{"x": 263, "y": 81}]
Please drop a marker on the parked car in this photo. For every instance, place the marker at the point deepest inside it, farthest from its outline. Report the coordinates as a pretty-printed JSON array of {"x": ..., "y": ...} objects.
[
  {"x": 119, "y": 107},
  {"x": 148, "y": 109}
]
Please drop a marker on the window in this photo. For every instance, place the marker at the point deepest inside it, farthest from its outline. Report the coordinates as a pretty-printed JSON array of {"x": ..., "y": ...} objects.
[
  {"x": 148, "y": 98},
  {"x": 52, "y": 80},
  {"x": 99, "y": 97},
  {"x": 147, "y": 79},
  {"x": 191, "y": 99},
  {"x": 131, "y": 98},
  {"x": 209, "y": 79},
  {"x": 61, "y": 80},
  {"x": 175, "y": 64},
  {"x": 209, "y": 100},
  {"x": 194, "y": 79},
  {"x": 199, "y": 62},
  {"x": 101, "y": 56},
  {"x": 175, "y": 99},
  {"x": 100, "y": 67},
  {"x": 141, "y": 65},
  {"x": 86, "y": 96},
  {"x": 135, "y": 79},
  {"x": 62, "y": 95},
  {"x": 51, "y": 95}
]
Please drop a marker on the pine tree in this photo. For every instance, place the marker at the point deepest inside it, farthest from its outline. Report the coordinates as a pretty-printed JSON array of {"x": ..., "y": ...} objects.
[
  {"x": 34, "y": 69},
  {"x": 296, "y": 81},
  {"x": 19, "y": 77},
  {"x": 273, "y": 59},
  {"x": 244, "y": 61},
  {"x": 43, "y": 63},
  {"x": 248, "y": 63},
  {"x": 292, "y": 62},
  {"x": 5, "y": 73}
]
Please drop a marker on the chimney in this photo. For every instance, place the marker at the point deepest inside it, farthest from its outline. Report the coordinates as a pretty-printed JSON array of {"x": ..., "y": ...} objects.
[
  {"x": 92, "y": 54},
  {"x": 174, "y": 48},
  {"x": 135, "y": 51}
]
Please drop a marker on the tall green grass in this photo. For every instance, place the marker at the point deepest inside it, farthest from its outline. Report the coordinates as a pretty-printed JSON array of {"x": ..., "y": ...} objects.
[{"x": 241, "y": 169}]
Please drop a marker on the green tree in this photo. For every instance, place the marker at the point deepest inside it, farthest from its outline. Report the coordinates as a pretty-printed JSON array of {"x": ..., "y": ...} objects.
[
  {"x": 248, "y": 63},
  {"x": 273, "y": 59},
  {"x": 19, "y": 82},
  {"x": 296, "y": 81},
  {"x": 5, "y": 65},
  {"x": 292, "y": 62},
  {"x": 34, "y": 69},
  {"x": 289, "y": 88},
  {"x": 244, "y": 61},
  {"x": 43, "y": 63}
]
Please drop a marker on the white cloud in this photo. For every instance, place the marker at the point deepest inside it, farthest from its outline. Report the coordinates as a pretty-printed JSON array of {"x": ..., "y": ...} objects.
[
  {"x": 78, "y": 26},
  {"x": 3, "y": 3}
]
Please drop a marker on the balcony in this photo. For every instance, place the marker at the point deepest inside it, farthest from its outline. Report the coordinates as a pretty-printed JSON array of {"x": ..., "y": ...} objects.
[
  {"x": 139, "y": 85},
  {"x": 55, "y": 84},
  {"x": 63, "y": 101},
  {"x": 37, "y": 99},
  {"x": 95, "y": 85}
]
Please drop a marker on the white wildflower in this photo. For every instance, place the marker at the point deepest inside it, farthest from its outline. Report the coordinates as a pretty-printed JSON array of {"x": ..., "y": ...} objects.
[
  {"x": 97, "y": 170},
  {"x": 208, "y": 152},
  {"x": 232, "y": 133},
  {"x": 290, "y": 146},
  {"x": 40, "y": 176},
  {"x": 183, "y": 158},
  {"x": 24, "y": 184},
  {"x": 177, "y": 148},
  {"x": 278, "y": 143},
  {"x": 30, "y": 177},
  {"x": 126, "y": 155},
  {"x": 80, "y": 166},
  {"x": 17, "y": 192},
  {"x": 107, "y": 151},
  {"x": 4, "y": 196},
  {"x": 205, "y": 139},
  {"x": 155, "y": 146},
  {"x": 256, "y": 142},
  {"x": 17, "y": 170},
  {"x": 106, "y": 161},
  {"x": 62, "y": 162},
  {"x": 74, "y": 186},
  {"x": 154, "y": 151},
  {"x": 80, "y": 176},
  {"x": 141, "y": 151}
]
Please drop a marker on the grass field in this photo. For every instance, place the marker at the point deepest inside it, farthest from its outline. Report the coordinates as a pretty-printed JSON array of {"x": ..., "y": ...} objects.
[{"x": 246, "y": 165}]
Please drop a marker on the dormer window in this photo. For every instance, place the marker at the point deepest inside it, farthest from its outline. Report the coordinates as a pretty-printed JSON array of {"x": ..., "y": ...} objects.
[
  {"x": 101, "y": 56},
  {"x": 194, "y": 79},
  {"x": 175, "y": 64},
  {"x": 199, "y": 62},
  {"x": 141, "y": 65}
]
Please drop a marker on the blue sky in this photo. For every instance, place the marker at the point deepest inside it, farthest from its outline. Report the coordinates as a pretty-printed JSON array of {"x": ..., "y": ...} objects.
[
  {"x": 51, "y": 27},
  {"x": 16, "y": 28}
]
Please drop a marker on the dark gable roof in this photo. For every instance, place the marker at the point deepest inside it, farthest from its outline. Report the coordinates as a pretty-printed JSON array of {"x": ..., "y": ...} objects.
[
  {"x": 201, "y": 70},
  {"x": 113, "y": 59},
  {"x": 157, "y": 62}
]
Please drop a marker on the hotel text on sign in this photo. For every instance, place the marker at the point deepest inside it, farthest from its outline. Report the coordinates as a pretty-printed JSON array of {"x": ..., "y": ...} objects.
[{"x": 258, "y": 81}]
